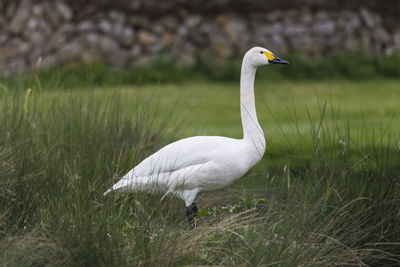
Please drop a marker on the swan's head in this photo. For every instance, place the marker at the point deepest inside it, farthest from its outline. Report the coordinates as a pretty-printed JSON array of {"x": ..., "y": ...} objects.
[{"x": 258, "y": 56}]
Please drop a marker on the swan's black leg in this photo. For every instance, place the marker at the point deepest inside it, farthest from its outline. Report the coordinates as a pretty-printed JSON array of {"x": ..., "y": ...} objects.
[{"x": 191, "y": 213}]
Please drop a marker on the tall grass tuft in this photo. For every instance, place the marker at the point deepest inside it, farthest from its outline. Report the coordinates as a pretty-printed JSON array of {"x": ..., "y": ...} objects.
[
  {"x": 338, "y": 205},
  {"x": 56, "y": 160}
]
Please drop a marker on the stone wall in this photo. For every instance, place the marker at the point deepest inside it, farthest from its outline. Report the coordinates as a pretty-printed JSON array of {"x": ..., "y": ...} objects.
[{"x": 68, "y": 33}]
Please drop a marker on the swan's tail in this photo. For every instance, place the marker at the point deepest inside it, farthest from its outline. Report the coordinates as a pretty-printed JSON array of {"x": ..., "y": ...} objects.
[
  {"x": 131, "y": 183},
  {"x": 120, "y": 185},
  {"x": 108, "y": 191}
]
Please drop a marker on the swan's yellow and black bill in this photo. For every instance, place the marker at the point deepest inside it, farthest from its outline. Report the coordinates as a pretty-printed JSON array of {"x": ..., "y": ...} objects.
[{"x": 274, "y": 59}]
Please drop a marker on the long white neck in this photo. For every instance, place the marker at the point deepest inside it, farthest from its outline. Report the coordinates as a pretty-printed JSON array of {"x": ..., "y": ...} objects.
[{"x": 252, "y": 132}]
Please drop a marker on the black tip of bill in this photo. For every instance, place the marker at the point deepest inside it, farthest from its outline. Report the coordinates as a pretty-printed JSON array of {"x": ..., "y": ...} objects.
[{"x": 278, "y": 60}]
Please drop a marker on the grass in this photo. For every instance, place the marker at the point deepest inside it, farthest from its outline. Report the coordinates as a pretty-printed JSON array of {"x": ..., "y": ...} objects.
[
  {"x": 351, "y": 66},
  {"x": 326, "y": 193}
]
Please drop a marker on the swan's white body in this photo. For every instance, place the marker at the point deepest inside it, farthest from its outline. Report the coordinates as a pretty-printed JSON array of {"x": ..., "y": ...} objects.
[{"x": 202, "y": 163}]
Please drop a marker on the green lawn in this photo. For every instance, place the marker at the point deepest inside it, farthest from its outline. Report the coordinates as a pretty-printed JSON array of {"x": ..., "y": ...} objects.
[{"x": 212, "y": 108}]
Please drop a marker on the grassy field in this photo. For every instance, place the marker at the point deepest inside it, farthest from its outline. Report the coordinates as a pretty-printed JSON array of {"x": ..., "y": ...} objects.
[{"x": 326, "y": 192}]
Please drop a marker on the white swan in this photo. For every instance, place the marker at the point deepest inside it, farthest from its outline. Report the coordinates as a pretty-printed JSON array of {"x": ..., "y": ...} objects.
[{"x": 201, "y": 163}]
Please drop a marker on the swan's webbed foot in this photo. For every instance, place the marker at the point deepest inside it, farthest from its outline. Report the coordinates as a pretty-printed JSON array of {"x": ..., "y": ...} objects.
[{"x": 191, "y": 213}]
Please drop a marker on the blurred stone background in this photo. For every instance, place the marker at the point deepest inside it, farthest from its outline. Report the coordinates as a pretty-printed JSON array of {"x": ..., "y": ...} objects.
[{"x": 137, "y": 32}]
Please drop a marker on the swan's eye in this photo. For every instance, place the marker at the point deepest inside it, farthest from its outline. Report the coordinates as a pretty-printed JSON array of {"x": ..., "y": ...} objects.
[{"x": 261, "y": 52}]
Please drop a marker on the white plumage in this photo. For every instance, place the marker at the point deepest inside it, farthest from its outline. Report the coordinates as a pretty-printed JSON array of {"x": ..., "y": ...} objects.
[{"x": 202, "y": 163}]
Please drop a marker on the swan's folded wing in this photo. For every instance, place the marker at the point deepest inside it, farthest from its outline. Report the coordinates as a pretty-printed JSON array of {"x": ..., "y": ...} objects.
[{"x": 182, "y": 154}]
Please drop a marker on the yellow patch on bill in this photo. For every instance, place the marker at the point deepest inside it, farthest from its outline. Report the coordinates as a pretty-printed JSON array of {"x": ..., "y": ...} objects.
[{"x": 269, "y": 55}]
